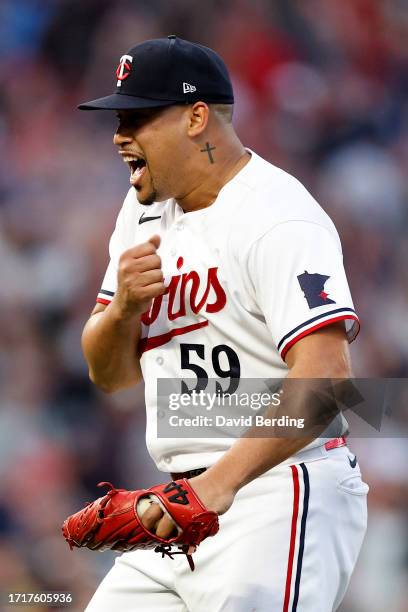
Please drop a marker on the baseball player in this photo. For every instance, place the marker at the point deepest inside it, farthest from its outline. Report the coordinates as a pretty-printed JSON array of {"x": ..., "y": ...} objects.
[{"x": 221, "y": 264}]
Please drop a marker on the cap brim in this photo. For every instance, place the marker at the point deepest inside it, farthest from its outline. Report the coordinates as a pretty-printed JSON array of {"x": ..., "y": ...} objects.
[{"x": 122, "y": 101}]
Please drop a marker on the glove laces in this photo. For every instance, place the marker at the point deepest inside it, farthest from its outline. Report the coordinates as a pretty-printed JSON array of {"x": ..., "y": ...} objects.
[{"x": 167, "y": 550}]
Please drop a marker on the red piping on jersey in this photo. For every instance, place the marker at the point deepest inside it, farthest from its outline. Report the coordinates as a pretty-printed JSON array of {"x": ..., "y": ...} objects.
[
  {"x": 146, "y": 344},
  {"x": 103, "y": 301},
  {"x": 291, "y": 555},
  {"x": 314, "y": 328}
]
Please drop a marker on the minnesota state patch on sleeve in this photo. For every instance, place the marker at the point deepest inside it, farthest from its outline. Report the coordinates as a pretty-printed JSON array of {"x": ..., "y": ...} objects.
[{"x": 312, "y": 285}]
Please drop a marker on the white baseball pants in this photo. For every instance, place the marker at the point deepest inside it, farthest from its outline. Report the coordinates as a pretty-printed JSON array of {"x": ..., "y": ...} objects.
[{"x": 289, "y": 543}]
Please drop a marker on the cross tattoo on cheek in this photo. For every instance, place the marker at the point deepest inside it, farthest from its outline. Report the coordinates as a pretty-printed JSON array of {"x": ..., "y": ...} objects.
[{"x": 208, "y": 149}]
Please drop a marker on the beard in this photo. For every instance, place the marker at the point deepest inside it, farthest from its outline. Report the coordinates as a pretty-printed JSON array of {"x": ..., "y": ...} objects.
[{"x": 148, "y": 199}]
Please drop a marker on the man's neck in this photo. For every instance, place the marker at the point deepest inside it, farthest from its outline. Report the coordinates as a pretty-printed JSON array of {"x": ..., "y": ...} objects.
[{"x": 225, "y": 165}]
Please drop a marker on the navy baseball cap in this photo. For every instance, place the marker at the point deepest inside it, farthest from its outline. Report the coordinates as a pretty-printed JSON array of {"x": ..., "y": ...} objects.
[{"x": 167, "y": 71}]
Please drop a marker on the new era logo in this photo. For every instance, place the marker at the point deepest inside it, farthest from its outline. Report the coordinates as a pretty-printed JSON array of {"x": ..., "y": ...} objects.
[{"x": 187, "y": 88}]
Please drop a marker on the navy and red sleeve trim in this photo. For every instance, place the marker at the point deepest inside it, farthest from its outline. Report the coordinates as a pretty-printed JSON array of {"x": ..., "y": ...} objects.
[
  {"x": 307, "y": 327},
  {"x": 104, "y": 296}
]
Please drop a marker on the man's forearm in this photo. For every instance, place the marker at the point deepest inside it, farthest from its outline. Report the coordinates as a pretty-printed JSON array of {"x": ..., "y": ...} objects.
[
  {"x": 249, "y": 458},
  {"x": 110, "y": 346},
  {"x": 252, "y": 456}
]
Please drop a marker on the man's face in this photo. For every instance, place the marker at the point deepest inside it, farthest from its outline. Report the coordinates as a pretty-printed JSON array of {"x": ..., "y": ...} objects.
[{"x": 150, "y": 142}]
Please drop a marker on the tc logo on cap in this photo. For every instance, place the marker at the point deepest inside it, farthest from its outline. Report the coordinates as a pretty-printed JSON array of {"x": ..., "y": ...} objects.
[{"x": 123, "y": 70}]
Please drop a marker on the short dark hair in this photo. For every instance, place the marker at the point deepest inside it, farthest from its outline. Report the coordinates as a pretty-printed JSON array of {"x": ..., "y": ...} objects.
[{"x": 223, "y": 111}]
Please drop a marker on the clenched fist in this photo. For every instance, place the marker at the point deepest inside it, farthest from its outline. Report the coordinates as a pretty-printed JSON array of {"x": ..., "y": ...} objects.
[{"x": 140, "y": 278}]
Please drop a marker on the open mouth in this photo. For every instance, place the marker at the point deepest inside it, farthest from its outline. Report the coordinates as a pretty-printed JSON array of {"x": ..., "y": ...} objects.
[
  {"x": 136, "y": 164},
  {"x": 137, "y": 167}
]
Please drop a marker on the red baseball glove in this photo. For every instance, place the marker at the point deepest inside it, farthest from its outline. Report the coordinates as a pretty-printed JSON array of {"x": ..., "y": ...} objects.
[{"x": 112, "y": 521}]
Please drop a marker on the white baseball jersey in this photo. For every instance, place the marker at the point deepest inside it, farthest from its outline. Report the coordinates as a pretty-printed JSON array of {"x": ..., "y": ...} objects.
[{"x": 246, "y": 278}]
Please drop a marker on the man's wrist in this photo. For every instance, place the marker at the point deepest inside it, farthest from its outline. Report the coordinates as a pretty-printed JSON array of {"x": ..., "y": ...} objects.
[
  {"x": 124, "y": 313},
  {"x": 212, "y": 492},
  {"x": 221, "y": 480}
]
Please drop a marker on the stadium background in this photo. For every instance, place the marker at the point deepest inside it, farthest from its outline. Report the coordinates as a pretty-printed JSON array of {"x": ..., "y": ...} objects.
[{"x": 322, "y": 91}]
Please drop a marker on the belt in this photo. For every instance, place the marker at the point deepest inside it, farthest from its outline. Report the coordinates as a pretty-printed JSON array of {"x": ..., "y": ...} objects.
[
  {"x": 188, "y": 474},
  {"x": 330, "y": 445}
]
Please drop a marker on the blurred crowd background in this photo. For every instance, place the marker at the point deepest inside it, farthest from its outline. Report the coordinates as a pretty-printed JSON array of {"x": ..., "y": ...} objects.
[{"x": 321, "y": 91}]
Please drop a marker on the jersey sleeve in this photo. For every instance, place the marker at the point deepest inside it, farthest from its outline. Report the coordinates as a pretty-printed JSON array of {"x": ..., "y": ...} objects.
[
  {"x": 297, "y": 273},
  {"x": 117, "y": 245}
]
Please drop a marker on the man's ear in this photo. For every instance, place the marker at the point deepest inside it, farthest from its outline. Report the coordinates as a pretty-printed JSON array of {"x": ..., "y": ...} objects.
[{"x": 198, "y": 119}]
